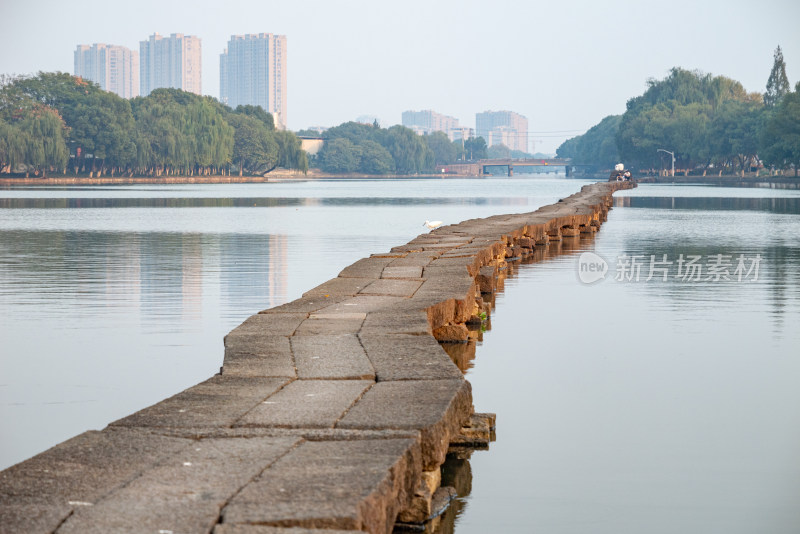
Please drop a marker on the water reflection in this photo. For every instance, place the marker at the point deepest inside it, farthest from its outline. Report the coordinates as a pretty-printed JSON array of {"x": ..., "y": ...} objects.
[
  {"x": 251, "y": 202},
  {"x": 773, "y": 205}
]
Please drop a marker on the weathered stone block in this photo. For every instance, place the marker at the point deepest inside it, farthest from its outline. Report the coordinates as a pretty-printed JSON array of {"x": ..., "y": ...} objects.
[
  {"x": 437, "y": 408},
  {"x": 406, "y": 357},
  {"x": 331, "y": 356},
  {"x": 454, "y": 333},
  {"x": 219, "y": 401},
  {"x": 307, "y": 404},
  {"x": 402, "y": 272},
  {"x": 349, "y": 485},
  {"x": 340, "y": 287},
  {"x": 185, "y": 492},
  {"x": 366, "y": 268},
  {"x": 392, "y": 288}
]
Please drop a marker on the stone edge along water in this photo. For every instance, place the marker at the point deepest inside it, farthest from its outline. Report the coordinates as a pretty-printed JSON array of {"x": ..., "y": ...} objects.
[{"x": 332, "y": 413}]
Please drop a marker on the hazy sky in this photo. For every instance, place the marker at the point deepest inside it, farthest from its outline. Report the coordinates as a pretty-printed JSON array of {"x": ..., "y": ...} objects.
[{"x": 563, "y": 64}]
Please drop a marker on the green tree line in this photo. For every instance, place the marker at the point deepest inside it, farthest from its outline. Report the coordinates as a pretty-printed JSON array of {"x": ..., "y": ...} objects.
[
  {"x": 709, "y": 122},
  {"x": 354, "y": 147},
  {"x": 59, "y": 123}
]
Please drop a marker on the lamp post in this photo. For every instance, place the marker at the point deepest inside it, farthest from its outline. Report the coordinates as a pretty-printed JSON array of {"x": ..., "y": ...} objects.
[{"x": 673, "y": 158}]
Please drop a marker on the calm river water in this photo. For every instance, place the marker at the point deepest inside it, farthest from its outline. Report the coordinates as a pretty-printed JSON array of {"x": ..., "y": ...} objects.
[{"x": 627, "y": 405}]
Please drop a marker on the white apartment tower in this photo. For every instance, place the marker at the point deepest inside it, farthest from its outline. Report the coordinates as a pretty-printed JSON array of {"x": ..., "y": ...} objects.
[
  {"x": 503, "y": 127},
  {"x": 252, "y": 71},
  {"x": 113, "y": 68},
  {"x": 173, "y": 61}
]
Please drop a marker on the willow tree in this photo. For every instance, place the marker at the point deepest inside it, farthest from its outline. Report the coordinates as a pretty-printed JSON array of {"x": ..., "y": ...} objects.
[
  {"x": 185, "y": 133},
  {"x": 254, "y": 148},
  {"x": 44, "y": 133}
]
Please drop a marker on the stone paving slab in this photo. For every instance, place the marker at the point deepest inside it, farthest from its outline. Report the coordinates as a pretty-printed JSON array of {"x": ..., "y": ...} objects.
[
  {"x": 258, "y": 355},
  {"x": 366, "y": 268},
  {"x": 407, "y": 357},
  {"x": 364, "y": 304},
  {"x": 219, "y": 401},
  {"x": 331, "y": 324},
  {"x": 38, "y": 494},
  {"x": 435, "y": 407},
  {"x": 305, "y": 304},
  {"x": 392, "y": 288},
  {"x": 268, "y": 324},
  {"x": 340, "y": 287},
  {"x": 331, "y": 357},
  {"x": 346, "y": 485},
  {"x": 307, "y": 404},
  {"x": 402, "y": 272},
  {"x": 407, "y": 321},
  {"x": 184, "y": 493},
  {"x": 415, "y": 259}
]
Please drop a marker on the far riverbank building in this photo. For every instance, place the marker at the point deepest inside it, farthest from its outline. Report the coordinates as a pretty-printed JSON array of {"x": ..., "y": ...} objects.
[
  {"x": 503, "y": 127},
  {"x": 174, "y": 61},
  {"x": 252, "y": 71},
  {"x": 428, "y": 121},
  {"x": 114, "y": 68}
]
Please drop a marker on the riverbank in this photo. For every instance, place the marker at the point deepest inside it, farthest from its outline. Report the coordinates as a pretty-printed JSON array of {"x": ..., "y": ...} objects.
[
  {"x": 350, "y": 374},
  {"x": 276, "y": 176}
]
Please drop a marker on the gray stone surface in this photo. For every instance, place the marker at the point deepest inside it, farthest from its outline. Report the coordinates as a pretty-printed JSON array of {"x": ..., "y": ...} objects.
[
  {"x": 434, "y": 407},
  {"x": 364, "y": 304},
  {"x": 408, "y": 357},
  {"x": 392, "y": 288},
  {"x": 415, "y": 259},
  {"x": 219, "y": 401},
  {"x": 402, "y": 272},
  {"x": 332, "y": 357},
  {"x": 307, "y": 404},
  {"x": 184, "y": 493},
  {"x": 38, "y": 494},
  {"x": 336, "y": 287},
  {"x": 331, "y": 324},
  {"x": 268, "y": 324},
  {"x": 404, "y": 321},
  {"x": 366, "y": 268},
  {"x": 347, "y": 485},
  {"x": 305, "y": 304},
  {"x": 258, "y": 355}
]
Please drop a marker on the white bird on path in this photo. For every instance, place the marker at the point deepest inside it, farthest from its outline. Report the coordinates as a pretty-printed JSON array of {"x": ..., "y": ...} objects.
[{"x": 432, "y": 224}]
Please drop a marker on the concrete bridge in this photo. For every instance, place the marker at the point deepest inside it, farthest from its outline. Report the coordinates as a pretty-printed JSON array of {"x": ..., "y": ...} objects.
[
  {"x": 331, "y": 413},
  {"x": 481, "y": 167}
]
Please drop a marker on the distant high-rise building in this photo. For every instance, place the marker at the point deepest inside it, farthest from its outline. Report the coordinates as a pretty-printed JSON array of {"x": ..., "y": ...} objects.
[
  {"x": 252, "y": 71},
  {"x": 428, "y": 121},
  {"x": 503, "y": 127},
  {"x": 113, "y": 68},
  {"x": 174, "y": 61}
]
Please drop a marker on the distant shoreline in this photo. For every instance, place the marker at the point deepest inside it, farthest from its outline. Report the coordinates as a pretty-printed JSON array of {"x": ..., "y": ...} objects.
[{"x": 278, "y": 177}]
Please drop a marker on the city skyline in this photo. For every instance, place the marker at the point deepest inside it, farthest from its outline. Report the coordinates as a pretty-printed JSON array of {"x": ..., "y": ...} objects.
[{"x": 563, "y": 66}]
